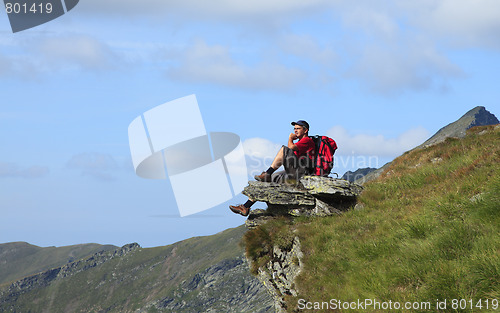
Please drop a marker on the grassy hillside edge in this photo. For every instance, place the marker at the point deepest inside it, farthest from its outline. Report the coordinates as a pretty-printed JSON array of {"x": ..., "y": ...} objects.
[{"x": 428, "y": 231}]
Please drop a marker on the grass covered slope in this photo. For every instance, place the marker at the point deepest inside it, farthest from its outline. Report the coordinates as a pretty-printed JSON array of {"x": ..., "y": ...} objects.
[{"x": 429, "y": 229}]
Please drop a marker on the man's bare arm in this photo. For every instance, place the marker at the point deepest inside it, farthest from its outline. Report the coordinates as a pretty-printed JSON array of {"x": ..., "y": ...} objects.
[{"x": 291, "y": 145}]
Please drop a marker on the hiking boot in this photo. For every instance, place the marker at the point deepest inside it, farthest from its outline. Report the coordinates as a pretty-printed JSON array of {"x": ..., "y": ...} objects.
[
  {"x": 240, "y": 209},
  {"x": 264, "y": 177}
]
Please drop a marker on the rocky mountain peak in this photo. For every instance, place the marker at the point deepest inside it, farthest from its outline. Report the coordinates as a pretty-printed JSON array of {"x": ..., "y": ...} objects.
[
  {"x": 483, "y": 117},
  {"x": 478, "y": 116}
]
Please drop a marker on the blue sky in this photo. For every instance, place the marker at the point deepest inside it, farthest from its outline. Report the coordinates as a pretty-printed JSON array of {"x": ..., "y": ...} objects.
[{"x": 379, "y": 77}]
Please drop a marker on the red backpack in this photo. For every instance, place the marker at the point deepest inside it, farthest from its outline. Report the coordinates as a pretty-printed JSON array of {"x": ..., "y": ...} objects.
[{"x": 323, "y": 156}]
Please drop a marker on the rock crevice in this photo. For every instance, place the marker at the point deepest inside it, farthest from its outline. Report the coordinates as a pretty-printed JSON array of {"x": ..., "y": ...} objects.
[{"x": 278, "y": 275}]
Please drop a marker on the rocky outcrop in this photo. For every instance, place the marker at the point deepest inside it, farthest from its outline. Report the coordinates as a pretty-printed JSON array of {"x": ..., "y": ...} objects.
[
  {"x": 222, "y": 287},
  {"x": 278, "y": 276},
  {"x": 311, "y": 196}
]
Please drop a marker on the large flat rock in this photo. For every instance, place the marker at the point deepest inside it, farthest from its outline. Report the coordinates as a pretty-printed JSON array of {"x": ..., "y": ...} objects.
[{"x": 311, "y": 196}]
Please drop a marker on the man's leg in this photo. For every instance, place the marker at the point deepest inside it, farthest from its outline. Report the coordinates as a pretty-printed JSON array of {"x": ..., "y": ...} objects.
[
  {"x": 277, "y": 162},
  {"x": 242, "y": 209},
  {"x": 295, "y": 167},
  {"x": 278, "y": 159}
]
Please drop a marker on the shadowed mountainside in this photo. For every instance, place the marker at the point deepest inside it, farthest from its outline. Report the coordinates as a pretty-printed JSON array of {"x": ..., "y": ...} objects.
[{"x": 357, "y": 174}]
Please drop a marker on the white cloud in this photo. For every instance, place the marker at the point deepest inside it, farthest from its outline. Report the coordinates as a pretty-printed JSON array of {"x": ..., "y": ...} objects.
[
  {"x": 260, "y": 148},
  {"x": 14, "y": 170},
  {"x": 16, "y": 61},
  {"x": 80, "y": 51},
  {"x": 260, "y": 153},
  {"x": 389, "y": 47},
  {"x": 389, "y": 52},
  {"x": 5, "y": 66},
  {"x": 28, "y": 58},
  {"x": 372, "y": 18},
  {"x": 377, "y": 145},
  {"x": 392, "y": 68},
  {"x": 306, "y": 46},
  {"x": 96, "y": 165},
  {"x": 214, "y": 64},
  {"x": 236, "y": 163},
  {"x": 384, "y": 48},
  {"x": 231, "y": 9},
  {"x": 466, "y": 22}
]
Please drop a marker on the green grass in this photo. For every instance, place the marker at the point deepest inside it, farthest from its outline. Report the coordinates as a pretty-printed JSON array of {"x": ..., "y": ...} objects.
[
  {"x": 430, "y": 229},
  {"x": 259, "y": 242}
]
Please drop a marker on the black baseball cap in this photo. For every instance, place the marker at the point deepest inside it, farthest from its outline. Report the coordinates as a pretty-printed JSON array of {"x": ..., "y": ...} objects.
[{"x": 301, "y": 123}]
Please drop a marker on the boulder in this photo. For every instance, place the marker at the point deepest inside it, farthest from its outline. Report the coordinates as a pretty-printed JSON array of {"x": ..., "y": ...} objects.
[{"x": 311, "y": 196}]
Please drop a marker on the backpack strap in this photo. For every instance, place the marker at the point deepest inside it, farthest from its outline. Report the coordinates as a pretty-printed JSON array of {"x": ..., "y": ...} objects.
[
  {"x": 317, "y": 143},
  {"x": 327, "y": 143}
]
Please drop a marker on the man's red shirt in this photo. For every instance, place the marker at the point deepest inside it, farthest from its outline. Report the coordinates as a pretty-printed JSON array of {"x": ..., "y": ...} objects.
[{"x": 304, "y": 146}]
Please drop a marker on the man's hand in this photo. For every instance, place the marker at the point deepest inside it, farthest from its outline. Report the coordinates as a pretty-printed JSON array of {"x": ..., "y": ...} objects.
[{"x": 291, "y": 138}]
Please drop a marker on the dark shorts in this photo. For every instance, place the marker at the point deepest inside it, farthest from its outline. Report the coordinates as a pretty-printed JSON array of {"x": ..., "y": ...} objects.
[{"x": 295, "y": 167}]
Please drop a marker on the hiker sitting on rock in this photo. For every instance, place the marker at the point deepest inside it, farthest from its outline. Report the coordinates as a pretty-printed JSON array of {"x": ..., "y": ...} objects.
[{"x": 296, "y": 158}]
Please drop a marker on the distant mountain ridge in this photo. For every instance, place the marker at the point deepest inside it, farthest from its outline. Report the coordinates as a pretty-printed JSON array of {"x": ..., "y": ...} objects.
[
  {"x": 200, "y": 274},
  {"x": 478, "y": 116},
  {"x": 357, "y": 174},
  {"x": 19, "y": 259}
]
